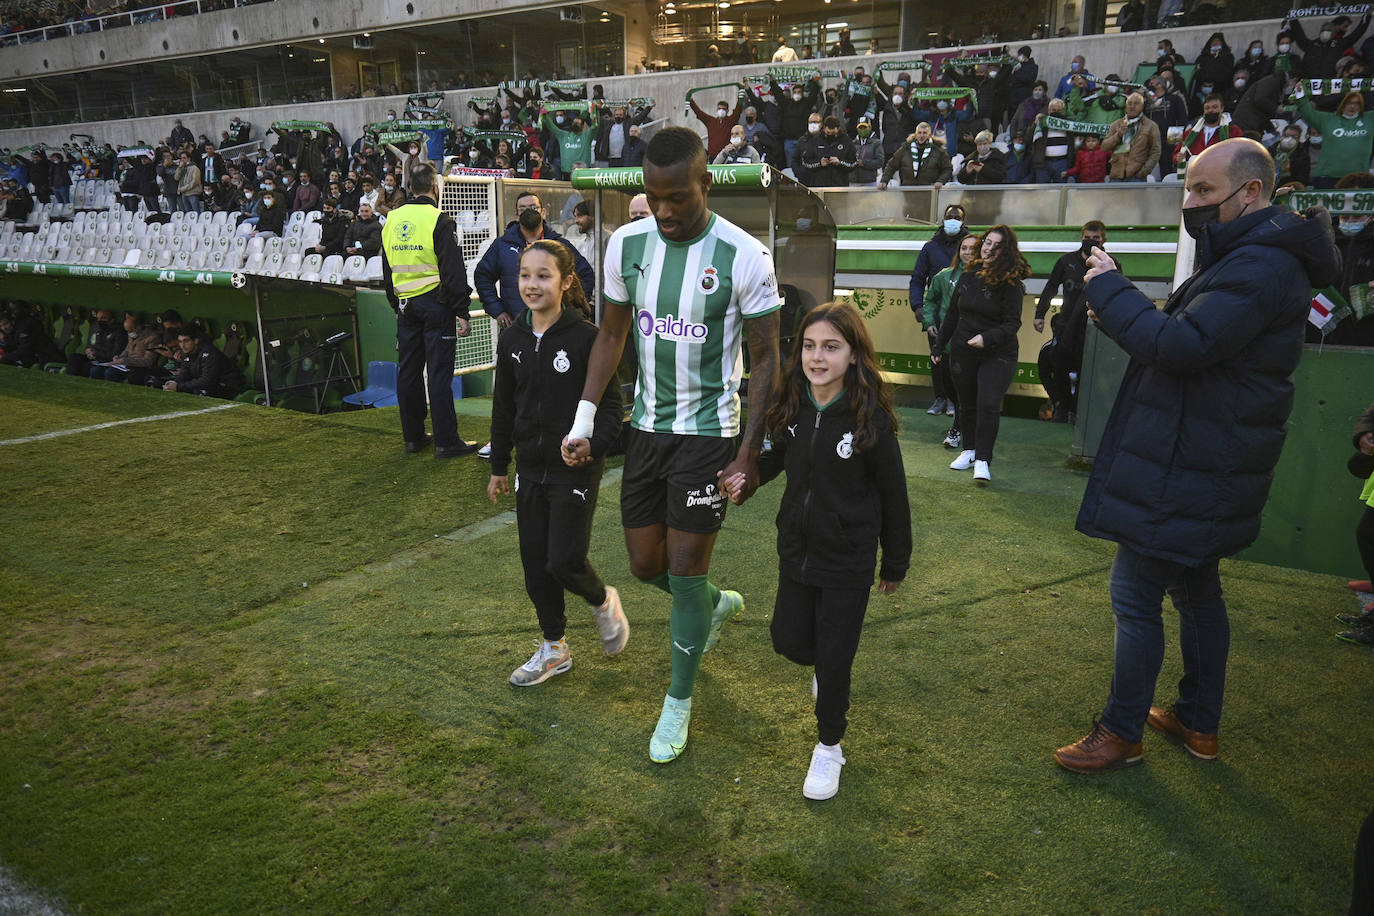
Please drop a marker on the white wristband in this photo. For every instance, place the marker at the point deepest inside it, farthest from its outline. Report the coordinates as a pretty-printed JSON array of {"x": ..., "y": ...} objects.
[{"x": 583, "y": 420}]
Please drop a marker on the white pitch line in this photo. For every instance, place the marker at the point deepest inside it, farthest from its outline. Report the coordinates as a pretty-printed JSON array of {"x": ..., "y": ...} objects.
[{"x": 87, "y": 429}]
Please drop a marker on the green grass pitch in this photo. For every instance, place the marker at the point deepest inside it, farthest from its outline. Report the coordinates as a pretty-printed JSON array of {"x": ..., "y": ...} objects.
[{"x": 256, "y": 661}]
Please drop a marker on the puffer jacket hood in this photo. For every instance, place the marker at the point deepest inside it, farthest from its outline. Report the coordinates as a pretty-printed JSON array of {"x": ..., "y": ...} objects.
[{"x": 1306, "y": 235}]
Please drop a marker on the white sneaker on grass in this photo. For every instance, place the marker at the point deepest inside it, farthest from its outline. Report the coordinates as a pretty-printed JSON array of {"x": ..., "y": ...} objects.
[
  {"x": 611, "y": 622},
  {"x": 730, "y": 604},
  {"x": 823, "y": 778},
  {"x": 963, "y": 462},
  {"x": 549, "y": 659},
  {"x": 485, "y": 451},
  {"x": 982, "y": 474},
  {"x": 670, "y": 734}
]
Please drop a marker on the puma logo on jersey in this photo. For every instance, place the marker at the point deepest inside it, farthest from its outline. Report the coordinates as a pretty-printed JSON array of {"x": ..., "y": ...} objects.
[
  {"x": 581, "y": 493},
  {"x": 792, "y": 430},
  {"x": 686, "y": 650},
  {"x": 642, "y": 270},
  {"x": 515, "y": 355}
]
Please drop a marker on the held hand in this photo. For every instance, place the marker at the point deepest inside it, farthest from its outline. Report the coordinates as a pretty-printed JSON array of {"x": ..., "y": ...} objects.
[
  {"x": 504, "y": 321},
  {"x": 976, "y": 341},
  {"x": 1039, "y": 325},
  {"x": 887, "y": 587},
  {"x": 935, "y": 359},
  {"x": 745, "y": 469},
  {"x": 882, "y": 186},
  {"x": 464, "y": 327},
  {"x": 169, "y": 386},
  {"x": 577, "y": 452},
  {"x": 938, "y": 185},
  {"x": 1367, "y": 443},
  {"x": 733, "y": 487},
  {"x": 1099, "y": 263},
  {"x": 496, "y": 486}
]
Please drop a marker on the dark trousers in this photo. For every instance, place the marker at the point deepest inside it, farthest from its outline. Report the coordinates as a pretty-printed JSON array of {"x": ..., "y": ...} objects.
[
  {"x": 821, "y": 627},
  {"x": 982, "y": 382},
  {"x": 1364, "y": 540},
  {"x": 1362, "y": 899},
  {"x": 1054, "y": 375},
  {"x": 555, "y": 524},
  {"x": 426, "y": 339},
  {"x": 1138, "y": 585},
  {"x": 942, "y": 381}
]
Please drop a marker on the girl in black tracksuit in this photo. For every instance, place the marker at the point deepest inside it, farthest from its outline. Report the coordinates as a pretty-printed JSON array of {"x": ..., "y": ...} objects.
[
  {"x": 541, "y": 364},
  {"x": 834, "y": 434},
  {"x": 980, "y": 329}
]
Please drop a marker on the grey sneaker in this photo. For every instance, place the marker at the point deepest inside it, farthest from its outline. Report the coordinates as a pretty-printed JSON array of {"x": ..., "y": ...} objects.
[
  {"x": 730, "y": 604},
  {"x": 611, "y": 622},
  {"x": 1363, "y": 619},
  {"x": 549, "y": 659},
  {"x": 1364, "y": 636}
]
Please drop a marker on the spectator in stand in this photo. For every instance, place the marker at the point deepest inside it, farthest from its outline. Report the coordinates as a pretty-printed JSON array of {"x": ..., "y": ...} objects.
[
  {"x": 1287, "y": 60},
  {"x": 211, "y": 165},
  {"x": 757, "y": 135},
  {"x": 272, "y": 213},
  {"x": 737, "y": 150},
  {"x": 1166, "y": 58},
  {"x": 351, "y": 196},
  {"x": 784, "y": 54},
  {"x": 180, "y": 136},
  {"x": 1050, "y": 146},
  {"x": 639, "y": 208},
  {"x": 227, "y": 196},
  {"x": 167, "y": 175},
  {"x": 1347, "y": 135},
  {"x": 1133, "y": 142},
  {"x": 1109, "y": 104},
  {"x": 1232, "y": 93},
  {"x": 582, "y": 232},
  {"x": 842, "y": 47},
  {"x": 1259, "y": 105},
  {"x": 921, "y": 161},
  {"x": 1025, "y": 77},
  {"x": 497, "y": 273},
  {"x": 106, "y": 340},
  {"x": 936, "y": 254},
  {"x": 1355, "y": 242},
  {"x": 1090, "y": 162},
  {"x": 1292, "y": 159},
  {"x": 189, "y": 188},
  {"x": 574, "y": 142},
  {"x": 992, "y": 84},
  {"x": 718, "y": 127},
  {"x": 1215, "y": 126},
  {"x": 1020, "y": 167},
  {"x": 987, "y": 166},
  {"x": 145, "y": 175},
  {"x": 370, "y": 195},
  {"x": 536, "y": 169},
  {"x": 1034, "y": 105},
  {"x": 794, "y": 107},
  {"x": 138, "y": 355},
  {"x": 828, "y": 156},
  {"x": 1078, "y": 65},
  {"x": 1214, "y": 63},
  {"x": 611, "y": 137},
  {"x": 634, "y": 148},
  {"x": 204, "y": 370},
  {"x": 61, "y": 180},
  {"x": 334, "y": 228},
  {"x": 364, "y": 234},
  {"x": 895, "y": 116},
  {"x": 1256, "y": 62},
  {"x": 392, "y": 196},
  {"x": 1168, "y": 109},
  {"x": 1320, "y": 55},
  {"x": 307, "y": 196},
  {"x": 1082, "y": 96},
  {"x": 868, "y": 150}
]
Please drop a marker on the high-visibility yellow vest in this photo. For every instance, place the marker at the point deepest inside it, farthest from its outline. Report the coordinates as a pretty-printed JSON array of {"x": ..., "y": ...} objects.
[{"x": 408, "y": 240}]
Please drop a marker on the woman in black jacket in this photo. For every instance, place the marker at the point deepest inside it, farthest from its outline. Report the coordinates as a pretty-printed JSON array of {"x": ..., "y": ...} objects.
[{"x": 980, "y": 329}]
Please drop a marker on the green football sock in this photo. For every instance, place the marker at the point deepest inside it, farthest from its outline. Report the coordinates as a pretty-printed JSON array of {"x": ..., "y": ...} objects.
[
  {"x": 712, "y": 595},
  {"x": 688, "y": 623},
  {"x": 659, "y": 582}
]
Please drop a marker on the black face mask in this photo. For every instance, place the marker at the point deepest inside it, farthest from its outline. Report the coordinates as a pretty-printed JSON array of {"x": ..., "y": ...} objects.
[
  {"x": 1213, "y": 117},
  {"x": 1195, "y": 219},
  {"x": 1088, "y": 245},
  {"x": 530, "y": 220}
]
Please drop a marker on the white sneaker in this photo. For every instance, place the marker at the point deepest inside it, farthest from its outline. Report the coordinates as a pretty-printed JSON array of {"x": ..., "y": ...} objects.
[
  {"x": 963, "y": 462},
  {"x": 982, "y": 474},
  {"x": 485, "y": 451},
  {"x": 549, "y": 659},
  {"x": 823, "y": 778},
  {"x": 611, "y": 622}
]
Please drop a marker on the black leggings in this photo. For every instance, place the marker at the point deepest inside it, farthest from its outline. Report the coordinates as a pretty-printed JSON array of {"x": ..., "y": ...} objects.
[
  {"x": 821, "y": 627},
  {"x": 982, "y": 382},
  {"x": 555, "y": 523},
  {"x": 1364, "y": 539}
]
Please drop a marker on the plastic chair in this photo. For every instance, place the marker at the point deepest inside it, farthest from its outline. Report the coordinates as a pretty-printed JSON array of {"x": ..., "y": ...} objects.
[
  {"x": 332, "y": 265},
  {"x": 381, "y": 387},
  {"x": 134, "y": 257}
]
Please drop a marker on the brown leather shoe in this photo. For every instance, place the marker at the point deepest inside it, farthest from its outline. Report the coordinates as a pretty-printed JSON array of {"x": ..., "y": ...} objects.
[
  {"x": 1200, "y": 744},
  {"x": 1098, "y": 751}
]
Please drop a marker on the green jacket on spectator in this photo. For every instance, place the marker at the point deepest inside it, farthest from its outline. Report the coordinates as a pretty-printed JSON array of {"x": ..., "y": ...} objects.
[{"x": 939, "y": 294}]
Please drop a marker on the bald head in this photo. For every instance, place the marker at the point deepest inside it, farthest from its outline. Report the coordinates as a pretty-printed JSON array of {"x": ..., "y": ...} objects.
[{"x": 1243, "y": 160}]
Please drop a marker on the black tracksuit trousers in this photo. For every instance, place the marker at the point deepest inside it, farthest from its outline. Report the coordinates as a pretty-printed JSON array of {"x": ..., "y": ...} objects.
[
  {"x": 821, "y": 627},
  {"x": 555, "y": 525}
]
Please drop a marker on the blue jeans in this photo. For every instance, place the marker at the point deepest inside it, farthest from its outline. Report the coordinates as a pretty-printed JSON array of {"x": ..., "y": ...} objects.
[
  {"x": 1138, "y": 585},
  {"x": 1052, "y": 171},
  {"x": 789, "y": 152}
]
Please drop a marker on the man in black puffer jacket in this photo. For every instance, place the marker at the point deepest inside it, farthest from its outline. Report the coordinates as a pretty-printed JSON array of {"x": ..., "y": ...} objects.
[{"x": 1186, "y": 460}]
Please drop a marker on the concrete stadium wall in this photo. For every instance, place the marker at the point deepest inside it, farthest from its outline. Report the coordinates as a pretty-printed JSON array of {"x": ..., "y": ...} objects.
[{"x": 1104, "y": 53}]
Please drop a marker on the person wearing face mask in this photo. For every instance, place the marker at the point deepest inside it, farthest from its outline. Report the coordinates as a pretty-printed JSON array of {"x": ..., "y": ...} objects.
[
  {"x": 273, "y": 212},
  {"x": 1286, "y": 60},
  {"x": 572, "y": 135},
  {"x": 920, "y": 161},
  {"x": 106, "y": 340},
  {"x": 1347, "y": 138},
  {"x": 1355, "y": 241},
  {"x": 868, "y": 150},
  {"x": 895, "y": 114},
  {"x": 1025, "y": 77},
  {"x": 992, "y": 87},
  {"x": 1321, "y": 54},
  {"x": 610, "y": 139},
  {"x": 1030, "y": 108},
  {"x": 936, "y": 254},
  {"x": 757, "y": 135},
  {"x": 794, "y": 108},
  {"x": 1165, "y": 57},
  {"x": 1132, "y": 142},
  {"x": 1168, "y": 109},
  {"x": 1212, "y": 128},
  {"x": 1214, "y": 64},
  {"x": 497, "y": 274},
  {"x": 988, "y": 165},
  {"x": 1195, "y": 101},
  {"x": 1256, "y": 61},
  {"x": 1108, "y": 104},
  {"x": 828, "y": 156},
  {"x": 1188, "y": 454},
  {"x": 1077, "y": 66},
  {"x": 737, "y": 151},
  {"x": 1292, "y": 160},
  {"x": 1061, "y": 358},
  {"x": 1050, "y": 147},
  {"x": 1240, "y": 81},
  {"x": 717, "y": 127},
  {"x": 391, "y": 196},
  {"x": 634, "y": 148}
]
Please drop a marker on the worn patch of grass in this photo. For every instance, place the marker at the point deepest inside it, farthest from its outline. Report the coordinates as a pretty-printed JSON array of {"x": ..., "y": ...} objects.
[{"x": 188, "y": 728}]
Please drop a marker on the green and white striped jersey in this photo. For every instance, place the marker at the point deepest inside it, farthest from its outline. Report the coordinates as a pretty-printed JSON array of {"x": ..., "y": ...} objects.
[{"x": 690, "y": 301}]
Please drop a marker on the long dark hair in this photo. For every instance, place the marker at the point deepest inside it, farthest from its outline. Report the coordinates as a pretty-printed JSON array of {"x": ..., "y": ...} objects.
[
  {"x": 1007, "y": 264},
  {"x": 868, "y": 393},
  {"x": 574, "y": 295}
]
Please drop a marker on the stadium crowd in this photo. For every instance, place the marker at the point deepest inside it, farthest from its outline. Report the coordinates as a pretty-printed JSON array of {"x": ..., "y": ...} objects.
[{"x": 24, "y": 21}]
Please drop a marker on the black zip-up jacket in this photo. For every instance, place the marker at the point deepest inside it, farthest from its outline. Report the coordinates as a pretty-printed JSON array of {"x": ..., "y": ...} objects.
[
  {"x": 207, "y": 369},
  {"x": 976, "y": 308},
  {"x": 534, "y": 399},
  {"x": 839, "y": 505}
]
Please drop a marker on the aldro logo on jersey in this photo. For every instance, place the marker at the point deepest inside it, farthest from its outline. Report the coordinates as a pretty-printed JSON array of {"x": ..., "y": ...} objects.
[{"x": 670, "y": 327}]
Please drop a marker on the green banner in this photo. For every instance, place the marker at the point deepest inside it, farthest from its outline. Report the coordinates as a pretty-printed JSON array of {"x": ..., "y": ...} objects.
[
  {"x": 1122, "y": 84},
  {"x": 482, "y": 102},
  {"x": 1074, "y": 127},
  {"x": 399, "y": 136},
  {"x": 793, "y": 74},
  {"x": 1359, "y": 201},
  {"x": 627, "y": 104},
  {"x": 378, "y": 127},
  {"x": 566, "y": 86},
  {"x": 914, "y": 63},
  {"x": 565, "y": 106},
  {"x": 137, "y": 274},
  {"x": 975, "y": 61},
  {"x": 514, "y": 85},
  {"x": 300, "y": 125},
  {"x": 722, "y": 177},
  {"x": 935, "y": 93},
  {"x": 1328, "y": 12}
]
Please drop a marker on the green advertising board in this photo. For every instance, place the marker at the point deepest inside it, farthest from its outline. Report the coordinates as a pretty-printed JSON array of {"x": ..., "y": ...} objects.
[
  {"x": 722, "y": 176},
  {"x": 177, "y": 277}
]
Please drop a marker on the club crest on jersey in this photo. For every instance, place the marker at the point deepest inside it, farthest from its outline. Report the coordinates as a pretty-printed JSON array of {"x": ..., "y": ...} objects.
[
  {"x": 709, "y": 281},
  {"x": 845, "y": 447},
  {"x": 560, "y": 361},
  {"x": 669, "y": 327}
]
